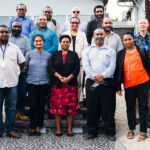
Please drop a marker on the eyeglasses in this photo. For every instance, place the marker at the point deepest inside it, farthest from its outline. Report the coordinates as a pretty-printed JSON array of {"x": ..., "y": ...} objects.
[
  {"x": 74, "y": 22},
  {"x": 76, "y": 12},
  {"x": 21, "y": 9},
  {"x": 49, "y": 12},
  {"x": 4, "y": 32}
]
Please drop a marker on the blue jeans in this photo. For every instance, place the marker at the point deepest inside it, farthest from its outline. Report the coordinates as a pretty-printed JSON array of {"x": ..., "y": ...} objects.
[
  {"x": 10, "y": 97},
  {"x": 21, "y": 92}
]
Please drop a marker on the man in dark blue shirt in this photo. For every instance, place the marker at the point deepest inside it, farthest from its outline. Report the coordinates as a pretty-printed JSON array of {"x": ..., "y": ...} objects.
[{"x": 142, "y": 39}]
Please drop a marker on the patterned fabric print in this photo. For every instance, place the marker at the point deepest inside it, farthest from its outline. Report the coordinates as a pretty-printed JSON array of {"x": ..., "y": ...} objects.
[
  {"x": 64, "y": 100},
  {"x": 143, "y": 42}
]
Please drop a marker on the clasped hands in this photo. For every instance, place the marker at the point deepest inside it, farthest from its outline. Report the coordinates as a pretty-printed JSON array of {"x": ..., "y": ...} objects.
[
  {"x": 99, "y": 79},
  {"x": 64, "y": 80}
]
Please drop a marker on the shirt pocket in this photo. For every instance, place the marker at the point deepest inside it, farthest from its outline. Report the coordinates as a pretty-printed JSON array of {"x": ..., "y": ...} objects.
[{"x": 106, "y": 59}]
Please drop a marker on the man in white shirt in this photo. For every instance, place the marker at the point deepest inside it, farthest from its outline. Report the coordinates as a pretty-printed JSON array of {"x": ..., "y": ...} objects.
[{"x": 11, "y": 61}]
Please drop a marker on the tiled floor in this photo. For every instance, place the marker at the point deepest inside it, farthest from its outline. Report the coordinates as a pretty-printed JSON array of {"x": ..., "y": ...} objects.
[{"x": 50, "y": 142}]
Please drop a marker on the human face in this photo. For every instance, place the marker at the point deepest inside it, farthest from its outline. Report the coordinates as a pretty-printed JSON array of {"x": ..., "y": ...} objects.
[
  {"x": 99, "y": 13},
  {"x": 21, "y": 11},
  {"x": 143, "y": 25},
  {"x": 128, "y": 41},
  {"x": 76, "y": 12},
  {"x": 107, "y": 24},
  {"x": 65, "y": 44},
  {"x": 38, "y": 42},
  {"x": 4, "y": 35},
  {"x": 74, "y": 24},
  {"x": 48, "y": 13},
  {"x": 99, "y": 37},
  {"x": 16, "y": 28},
  {"x": 42, "y": 21}
]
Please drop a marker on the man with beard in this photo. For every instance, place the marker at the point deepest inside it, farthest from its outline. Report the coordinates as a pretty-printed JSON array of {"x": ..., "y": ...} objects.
[
  {"x": 11, "y": 61},
  {"x": 51, "y": 23},
  {"x": 24, "y": 44},
  {"x": 99, "y": 62},
  {"x": 112, "y": 39},
  {"x": 95, "y": 23},
  {"x": 27, "y": 23},
  {"x": 50, "y": 37}
]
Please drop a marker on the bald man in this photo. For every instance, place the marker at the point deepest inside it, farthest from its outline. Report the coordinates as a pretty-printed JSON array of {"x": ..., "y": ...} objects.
[
  {"x": 112, "y": 39},
  {"x": 75, "y": 12},
  {"x": 50, "y": 37},
  {"x": 142, "y": 39},
  {"x": 99, "y": 62}
]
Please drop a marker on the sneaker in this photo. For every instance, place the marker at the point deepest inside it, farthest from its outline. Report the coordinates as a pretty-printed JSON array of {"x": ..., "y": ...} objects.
[{"x": 21, "y": 116}]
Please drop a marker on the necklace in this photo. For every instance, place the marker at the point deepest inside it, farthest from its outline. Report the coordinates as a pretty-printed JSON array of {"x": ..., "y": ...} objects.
[{"x": 131, "y": 51}]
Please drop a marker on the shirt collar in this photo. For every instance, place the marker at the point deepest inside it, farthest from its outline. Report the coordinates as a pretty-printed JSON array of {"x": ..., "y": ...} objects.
[
  {"x": 147, "y": 34},
  {"x": 43, "y": 30},
  {"x": 22, "y": 18},
  {"x": 103, "y": 47}
]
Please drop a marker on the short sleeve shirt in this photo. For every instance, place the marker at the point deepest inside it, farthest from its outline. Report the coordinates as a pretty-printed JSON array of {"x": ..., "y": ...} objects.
[{"x": 9, "y": 65}]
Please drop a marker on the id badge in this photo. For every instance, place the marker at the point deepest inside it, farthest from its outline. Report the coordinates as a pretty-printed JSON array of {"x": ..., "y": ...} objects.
[{"x": 2, "y": 64}]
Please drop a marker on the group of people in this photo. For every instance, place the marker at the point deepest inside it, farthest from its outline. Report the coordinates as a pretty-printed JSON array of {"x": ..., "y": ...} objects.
[{"x": 36, "y": 58}]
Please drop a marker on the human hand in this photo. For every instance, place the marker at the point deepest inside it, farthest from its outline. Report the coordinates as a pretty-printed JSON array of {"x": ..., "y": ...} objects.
[
  {"x": 65, "y": 80},
  {"x": 119, "y": 93}
]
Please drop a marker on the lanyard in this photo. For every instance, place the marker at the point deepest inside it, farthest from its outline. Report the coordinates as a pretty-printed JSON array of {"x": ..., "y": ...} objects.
[{"x": 3, "y": 50}]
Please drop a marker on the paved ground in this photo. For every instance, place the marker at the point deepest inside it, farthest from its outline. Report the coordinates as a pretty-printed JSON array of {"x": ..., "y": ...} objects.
[
  {"x": 122, "y": 129},
  {"x": 50, "y": 142}
]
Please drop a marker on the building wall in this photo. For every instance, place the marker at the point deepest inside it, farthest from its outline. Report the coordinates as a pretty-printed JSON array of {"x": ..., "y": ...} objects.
[
  {"x": 61, "y": 8},
  {"x": 138, "y": 12}
]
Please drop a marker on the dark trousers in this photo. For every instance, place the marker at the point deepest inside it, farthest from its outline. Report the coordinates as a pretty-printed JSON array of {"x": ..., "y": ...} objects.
[
  {"x": 37, "y": 96},
  {"x": 101, "y": 99},
  {"x": 141, "y": 93},
  {"x": 21, "y": 92}
]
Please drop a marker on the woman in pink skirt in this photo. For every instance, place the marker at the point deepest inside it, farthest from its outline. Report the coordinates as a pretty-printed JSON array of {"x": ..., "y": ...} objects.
[{"x": 64, "y": 68}]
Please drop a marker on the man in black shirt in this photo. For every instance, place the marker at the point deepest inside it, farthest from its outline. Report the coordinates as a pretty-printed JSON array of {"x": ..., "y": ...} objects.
[{"x": 95, "y": 23}]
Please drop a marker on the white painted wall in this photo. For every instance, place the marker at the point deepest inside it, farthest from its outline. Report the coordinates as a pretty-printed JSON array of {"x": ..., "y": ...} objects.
[{"x": 34, "y": 7}]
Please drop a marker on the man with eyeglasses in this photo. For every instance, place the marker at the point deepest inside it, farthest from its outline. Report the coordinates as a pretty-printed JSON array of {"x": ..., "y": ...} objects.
[
  {"x": 75, "y": 13},
  {"x": 11, "y": 61},
  {"x": 24, "y": 44},
  {"x": 95, "y": 23},
  {"x": 27, "y": 23},
  {"x": 99, "y": 62},
  {"x": 51, "y": 23}
]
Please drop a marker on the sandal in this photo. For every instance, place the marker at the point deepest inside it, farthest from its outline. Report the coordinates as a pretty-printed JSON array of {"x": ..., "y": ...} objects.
[
  {"x": 130, "y": 134},
  {"x": 142, "y": 137}
]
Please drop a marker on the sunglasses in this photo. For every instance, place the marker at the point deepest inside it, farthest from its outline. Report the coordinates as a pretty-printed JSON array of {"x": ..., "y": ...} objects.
[
  {"x": 74, "y": 22},
  {"x": 76, "y": 12}
]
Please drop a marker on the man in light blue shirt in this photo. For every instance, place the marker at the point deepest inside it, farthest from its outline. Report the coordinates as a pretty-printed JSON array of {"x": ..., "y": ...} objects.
[
  {"x": 50, "y": 37},
  {"x": 99, "y": 62},
  {"x": 82, "y": 26},
  {"x": 27, "y": 23}
]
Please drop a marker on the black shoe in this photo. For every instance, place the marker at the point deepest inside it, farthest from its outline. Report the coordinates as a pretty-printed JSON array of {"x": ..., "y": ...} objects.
[
  {"x": 70, "y": 134},
  {"x": 1, "y": 135},
  {"x": 90, "y": 136},
  {"x": 31, "y": 133},
  {"x": 37, "y": 134},
  {"x": 58, "y": 134},
  {"x": 112, "y": 137}
]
